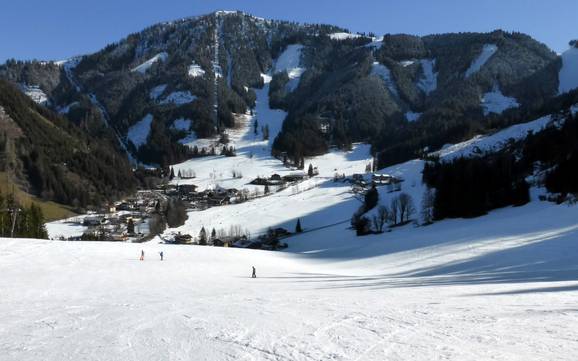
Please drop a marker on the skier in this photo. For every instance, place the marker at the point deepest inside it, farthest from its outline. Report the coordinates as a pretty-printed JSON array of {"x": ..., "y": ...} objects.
[
  {"x": 161, "y": 254},
  {"x": 142, "y": 255},
  {"x": 254, "y": 275}
]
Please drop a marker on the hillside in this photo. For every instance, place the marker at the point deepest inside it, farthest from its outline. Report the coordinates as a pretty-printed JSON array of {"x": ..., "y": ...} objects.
[
  {"x": 497, "y": 286},
  {"x": 47, "y": 158},
  {"x": 337, "y": 88}
]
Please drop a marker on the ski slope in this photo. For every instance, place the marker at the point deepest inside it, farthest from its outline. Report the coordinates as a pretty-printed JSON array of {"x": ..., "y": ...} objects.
[
  {"x": 383, "y": 72},
  {"x": 487, "y": 51},
  {"x": 253, "y": 153},
  {"x": 144, "y": 67},
  {"x": 319, "y": 202},
  {"x": 568, "y": 76},
  {"x": 496, "y": 102},
  {"x": 35, "y": 93},
  {"x": 428, "y": 82},
  {"x": 290, "y": 62},
  {"x": 500, "y": 287},
  {"x": 138, "y": 133}
]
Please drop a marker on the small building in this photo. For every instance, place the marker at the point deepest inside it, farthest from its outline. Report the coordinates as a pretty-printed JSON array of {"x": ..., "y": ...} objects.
[
  {"x": 187, "y": 188},
  {"x": 357, "y": 177},
  {"x": 294, "y": 177},
  {"x": 382, "y": 178},
  {"x": 224, "y": 242},
  {"x": 93, "y": 221},
  {"x": 183, "y": 238}
]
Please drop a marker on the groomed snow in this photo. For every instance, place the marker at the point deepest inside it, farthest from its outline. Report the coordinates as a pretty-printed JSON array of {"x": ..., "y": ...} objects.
[
  {"x": 428, "y": 82},
  {"x": 568, "y": 75},
  {"x": 384, "y": 73},
  {"x": 343, "y": 36},
  {"x": 253, "y": 153},
  {"x": 149, "y": 63},
  {"x": 178, "y": 98},
  {"x": 487, "y": 51},
  {"x": 64, "y": 229},
  {"x": 496, "y": 102},
  {"x": 139, "y": 132},
  {"x": 195, "y": 70},
  {"x": 502, "y": 287},
  {"x": 290, "y": 62},
  {"x": 482, "y": 144}
]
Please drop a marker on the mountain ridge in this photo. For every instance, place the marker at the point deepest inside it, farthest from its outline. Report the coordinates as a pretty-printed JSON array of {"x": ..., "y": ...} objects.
[{"x": 229, "y": 50}]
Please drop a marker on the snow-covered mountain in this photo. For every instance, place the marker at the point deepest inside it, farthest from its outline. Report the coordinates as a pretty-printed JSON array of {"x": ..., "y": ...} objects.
[
  {"x": 332, "y": 112},
  {"x": 206, "y": 68}
]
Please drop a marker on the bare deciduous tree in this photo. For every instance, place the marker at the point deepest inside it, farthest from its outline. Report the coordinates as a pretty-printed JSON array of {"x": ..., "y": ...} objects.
[
  {"x": 394, "y": 210},
  {"x": 381, "y": 218},
  {"x": 406, "y": 207},
  {"x": 427, "y": 204}
]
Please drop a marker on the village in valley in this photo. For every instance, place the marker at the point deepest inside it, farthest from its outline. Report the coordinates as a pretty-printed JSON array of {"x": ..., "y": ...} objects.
[
  {"x": 233, "y": 168},
  {"x": 147, "y": 214}
]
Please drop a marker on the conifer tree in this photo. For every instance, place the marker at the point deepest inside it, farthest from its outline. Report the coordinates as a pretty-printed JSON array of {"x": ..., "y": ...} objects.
[
  {"x": 203, "y": 237},
  {"x": 298, "y": 228},
  {"x": 130, "y": 226}
]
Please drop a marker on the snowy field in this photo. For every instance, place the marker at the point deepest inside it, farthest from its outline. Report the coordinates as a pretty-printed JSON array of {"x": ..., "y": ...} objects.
[{"x": 500, "y": 287}]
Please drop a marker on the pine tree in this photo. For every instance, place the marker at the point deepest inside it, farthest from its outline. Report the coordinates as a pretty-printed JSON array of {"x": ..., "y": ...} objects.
[
  {"x": 213, "y": 234},
  {"x": 371, "y": 198},
  {"x": 203, "y": 237},
  {"x": 310, "y": 170},
  {"x": 172, "y": 175},
  {"x": 130, "y": 226},
  {"x": 266, "y": 188},
  {"x": 298, "y": 228}
]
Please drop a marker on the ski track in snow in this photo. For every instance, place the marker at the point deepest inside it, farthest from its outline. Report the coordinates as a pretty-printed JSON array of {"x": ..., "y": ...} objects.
[
  {"x": 428, "y": 82},
  {"x": 487, "y": 51},
  {"x": 384, "y": 73},
  {"x": 568, "y": 75}
]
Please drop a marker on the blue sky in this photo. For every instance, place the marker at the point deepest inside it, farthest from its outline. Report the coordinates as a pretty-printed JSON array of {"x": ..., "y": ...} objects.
[{"x": 40, "y": 29}]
